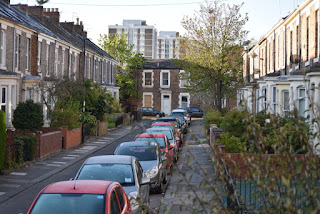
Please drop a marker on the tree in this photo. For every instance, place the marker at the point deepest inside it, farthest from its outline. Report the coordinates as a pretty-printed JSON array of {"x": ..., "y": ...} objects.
[
  {"x": 3, "y": 135},
  {"x": 128, "y": 63},
  {"x": 211, "y": 50}
]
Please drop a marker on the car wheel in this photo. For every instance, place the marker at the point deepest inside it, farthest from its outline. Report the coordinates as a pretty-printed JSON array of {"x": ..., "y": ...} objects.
[{"x": 157, "y": 115}]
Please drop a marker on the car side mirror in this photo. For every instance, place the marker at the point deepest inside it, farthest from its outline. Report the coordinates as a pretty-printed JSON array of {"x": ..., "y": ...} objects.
[
  {"x": 145, "y": 181},
  {"x": 171, "y": 147}
]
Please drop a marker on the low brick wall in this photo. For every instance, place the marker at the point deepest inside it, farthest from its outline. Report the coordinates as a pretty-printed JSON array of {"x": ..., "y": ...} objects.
[
  {"x": 102, "y": 128},
  {"x": 48, "y": 143},
  {"x": 126, "y": 118},
  {"x": 72, "y": 137}
]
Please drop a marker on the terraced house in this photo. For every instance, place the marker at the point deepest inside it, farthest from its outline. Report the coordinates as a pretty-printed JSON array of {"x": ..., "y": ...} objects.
[
  {"x": 37, "y": 49},
  {"x": 282, "y": 71}
]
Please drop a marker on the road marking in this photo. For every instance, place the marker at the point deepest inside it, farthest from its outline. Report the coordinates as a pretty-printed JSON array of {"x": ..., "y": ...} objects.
[
  {"x": 10, "y": 185},
  {"x": 53, "y": 165},
  {"x": 73, "y": 155},
  {"x": 56, "y": 162},
  {"x": 99, "y": 142},
  {"x": 88, "y": 147},
  {"x": 79, "y": 150},
  {"x": 70, "y": 158},
  {"x": 18, "y": 173},
  {"x": 2, "y": 193}
]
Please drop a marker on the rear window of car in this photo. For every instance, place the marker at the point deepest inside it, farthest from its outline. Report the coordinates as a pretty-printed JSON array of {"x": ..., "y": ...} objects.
[
  {"x": 166, "y": 132},
  {"x": 65, "y": 203},
  {"x": 121, "y": 173},
  {"x": 142, "y": 153},
  {"x": 170, "y": 127},
  {"x": 159, "y": 140},
  {"x": 178, "y": 113}
]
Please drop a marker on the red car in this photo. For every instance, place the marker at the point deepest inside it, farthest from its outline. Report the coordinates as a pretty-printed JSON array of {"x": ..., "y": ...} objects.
[
  {"x": 163, "y": 142},
  {"x": 169, "y": 125},
  {"x": 81, "y": 196}
]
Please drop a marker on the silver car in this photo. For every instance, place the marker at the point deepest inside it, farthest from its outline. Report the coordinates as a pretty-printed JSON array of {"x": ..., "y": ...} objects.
[
  {"x": 150, "y": 158},
  {"x": 123, "y": 169}
]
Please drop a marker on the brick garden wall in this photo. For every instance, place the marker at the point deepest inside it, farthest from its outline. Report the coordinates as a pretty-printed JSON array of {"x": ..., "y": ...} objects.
[
  {"x": 48, "y": 143},
  {"x": 72, "y": 137}
]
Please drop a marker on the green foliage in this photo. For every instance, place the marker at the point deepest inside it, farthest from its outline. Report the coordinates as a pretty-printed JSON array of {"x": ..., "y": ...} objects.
[
  {"x": 90, "y": 120},
  {"x": 42, "y": 2},
  {"x": 234, "y": 123},
  {"x": 232, "y": 143},
  {"x": 212, "y": 116},
  {"x": 66, "y": 113},
  {"x": 28, "y": 115},
  {"x": 3, "y": 136},
  {"x": 111, "y": 122},
  {"x": 26, "y": 147}
]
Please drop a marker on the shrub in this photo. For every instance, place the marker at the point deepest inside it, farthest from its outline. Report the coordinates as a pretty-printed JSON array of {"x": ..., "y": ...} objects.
[
  {"x": 67, "y": 113},
  {"x": 111, "y": 122},
  {"x": 90, "y": 120},
  {"x": 232, "y": 143},
  {"x": 212, "y": 116},
  {"x": 28, "y": 115},
  {"x": 234, "y": 122},
  {"x": 3, "y": 136},
  {"x": 26, "y": 147}
]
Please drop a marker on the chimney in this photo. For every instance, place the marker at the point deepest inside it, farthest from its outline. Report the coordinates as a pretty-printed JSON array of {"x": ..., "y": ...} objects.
[
  {"x": 36, "y": 11},
  {"x": 69, "y": 26},
  {"x": 23, "y": 7},
  {"x": 79, "y": 28},
  {"x": 53, "y": 13}
]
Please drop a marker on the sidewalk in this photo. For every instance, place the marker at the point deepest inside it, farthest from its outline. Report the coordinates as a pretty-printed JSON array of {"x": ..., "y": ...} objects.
[
  {"x": 188, "y": 181},
  {"x": 40, "y": 169}
]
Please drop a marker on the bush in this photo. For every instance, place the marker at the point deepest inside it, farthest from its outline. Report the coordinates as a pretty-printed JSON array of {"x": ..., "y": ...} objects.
[
  {"x": 212, "y": 116},
  {"x": 28, "y": 115},
  {"x": 67, "y": 113},
  {"x": 232, "y": 143},
  {"x": 234, "y": 122},
  {"x": 26, "y": 147},
  {"x": 111, "y": 122},
  {"x": 90, "y": 120},
  {"x": 3, "y": 136}
]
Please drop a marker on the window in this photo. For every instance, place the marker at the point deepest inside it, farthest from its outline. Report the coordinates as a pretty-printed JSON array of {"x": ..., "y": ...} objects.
[
  {"x": 308, "y": 39},
  {"x": 183, "y": 80},
  {"x": 62, "y": 64},
  {"x": 29, "y": 94},
  {"x": 285, "y": 102},
  {"x": 115, "y": 209},
  {"x": 316, "y": 34},
  {"x": 39, "y": 57},
  {"x": 3, "y": 48},
  {"x": 148, "y": 76},
  {"x": 147, "y": 100},
  {"x": 257, "y": 100},
  {"x": 264, "y": 94},
  {"x": 302, "y": 101},
  {"x": 47, "y": 60},
  {"x": 3, "y": 98},
  {"x": 70, "y": 63},
  {"x": 28, "y": 54},
  {"x": 56, "y": 55},
  {"x": 274, "y": 100},
  {"x": 17, "y": 52},
  {"x": 184, "y": 101},
  {"x": 165, "y": 79},
  {"x": 75, "y": 66}
]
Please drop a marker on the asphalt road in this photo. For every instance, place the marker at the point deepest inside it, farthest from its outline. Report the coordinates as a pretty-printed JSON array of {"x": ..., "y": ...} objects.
[{"x": 21, "y": 202}]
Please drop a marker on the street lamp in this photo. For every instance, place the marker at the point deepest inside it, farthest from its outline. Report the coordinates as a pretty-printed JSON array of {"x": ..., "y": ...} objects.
[{"x": 84, "y": 88}]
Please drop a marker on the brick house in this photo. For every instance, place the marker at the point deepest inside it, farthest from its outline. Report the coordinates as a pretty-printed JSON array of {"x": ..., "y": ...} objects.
[
  {"x": 282, "y": 71},
  {"x": 36, "y": 50},
  {"x": 161, "y": 87}
]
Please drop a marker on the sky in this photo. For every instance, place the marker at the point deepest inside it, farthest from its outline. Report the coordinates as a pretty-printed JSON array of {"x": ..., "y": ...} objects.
[{"x": 165, "y": 15}]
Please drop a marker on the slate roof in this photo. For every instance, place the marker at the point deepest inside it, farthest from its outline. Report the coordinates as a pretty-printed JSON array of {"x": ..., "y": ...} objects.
[
  {"x": 4, "y": 72},
  {"x": 160, "y": 64}
]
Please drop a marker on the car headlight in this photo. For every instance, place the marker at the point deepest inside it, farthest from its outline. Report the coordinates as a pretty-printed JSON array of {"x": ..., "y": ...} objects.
[{"x": 151, "y": 172}]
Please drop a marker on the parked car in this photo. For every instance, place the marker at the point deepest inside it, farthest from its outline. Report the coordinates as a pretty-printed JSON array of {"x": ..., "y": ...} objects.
[
  {"x": 164, "y": 144},
  {"x": 183, "y": 123},
  {"x": 173, "y": 120},
  {"x": 172, "y": 139},
  {"x": 183, "y": 113},
  {"x": 195, "y": 112},
  {"x": 151, "y": 160},
  {"x": 123, "y": 169},
  {"x": 176, "y": 132},
  {"x": 81, "y": 197},
  {"x": 148, "y": 111}
]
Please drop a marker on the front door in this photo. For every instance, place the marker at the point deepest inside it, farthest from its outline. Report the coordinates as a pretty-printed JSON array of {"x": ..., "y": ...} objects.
[{"x": 166, "y": 108}]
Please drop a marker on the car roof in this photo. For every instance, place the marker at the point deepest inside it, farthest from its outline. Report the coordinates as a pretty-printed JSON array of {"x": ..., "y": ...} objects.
[
  {"x": 151, "y": 135},
  {"x": 162, "y": 124},
  {"x": 78, "y": 186},
  {"x": 178, "y": 110},
  {"x": 166, "y": 119},
  {"x": 104, "y": 159},
  {"x": 137, "y": 143},
  {"x": 158, "y": 128}
]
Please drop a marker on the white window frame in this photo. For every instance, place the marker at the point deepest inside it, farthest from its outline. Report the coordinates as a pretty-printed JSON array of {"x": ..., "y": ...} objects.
[
  {"x": 274, "y": 100},
  {"x": 16, "y": 51},
  {"x": 143, "y": 100},
  {"x": 257, "y": 100},
  {"x": 56, "y": 60},
  {"x": 3, "y": 49},
  {"x": 28, "y": 50},
  {"x": 144, "y": 79},
  {"x": 300, "y": 99},
  {"x": 29, "y": 94},
  {"x": 184, "y": 95},
  {"x": 47, "y": 59},
  {"x": 285, "y": 111},
  {"x": 264, "y": 96},
  {"x": 181, "y": 85},
  {"x": 70, "y": 63},
  {"x": 161, "y": 78},
  {"x": 63, "y": 62},
  {"x": 75, "y": 66},
  {"x": 39, "y": 56}
]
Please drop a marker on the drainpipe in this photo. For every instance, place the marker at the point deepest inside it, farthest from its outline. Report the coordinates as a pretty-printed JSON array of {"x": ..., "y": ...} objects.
[
  {"x": 285, "y": 50},
  {"x": 14, "y": 51},
  {"x": 299, "y": 41}
]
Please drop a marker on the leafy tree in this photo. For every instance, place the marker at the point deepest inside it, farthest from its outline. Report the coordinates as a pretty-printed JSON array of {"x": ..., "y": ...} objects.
[
  {"x": 212, "y": 49},
  {"x": 117, "y": 46},
  {"x": 28, "y": 115},
  {"x": 3, "y": 135},
  {"x": 41, "y": 2}
]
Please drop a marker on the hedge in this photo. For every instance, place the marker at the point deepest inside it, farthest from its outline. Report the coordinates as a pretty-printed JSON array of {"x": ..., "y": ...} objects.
[{"x": 3, "y": 136}]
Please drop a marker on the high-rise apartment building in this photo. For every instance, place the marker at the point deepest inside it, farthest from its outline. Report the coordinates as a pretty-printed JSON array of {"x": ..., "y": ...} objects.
[
  {"x": 168, "y": 45},
  {"x": 142, "y": 36}
]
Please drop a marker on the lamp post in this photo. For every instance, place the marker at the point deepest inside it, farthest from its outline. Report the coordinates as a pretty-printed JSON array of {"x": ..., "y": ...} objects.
[{"x": 84, "y": 87}]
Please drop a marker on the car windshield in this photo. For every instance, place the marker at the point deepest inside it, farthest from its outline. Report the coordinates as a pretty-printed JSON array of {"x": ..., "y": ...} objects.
[
  {"x": 66, "y": 203},
  {"x": 170, "y": 127},
  {"x": 159, "y": 140},
  {"x": 166, "y": 132},
  {"x": 178, "y": 113},
  {"x": 142, "y": 153},
  {"x": 121, "y": 173}
]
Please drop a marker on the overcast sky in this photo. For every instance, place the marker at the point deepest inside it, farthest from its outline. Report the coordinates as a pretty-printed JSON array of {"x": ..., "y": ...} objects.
[{"x": 165, "y": 15}]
